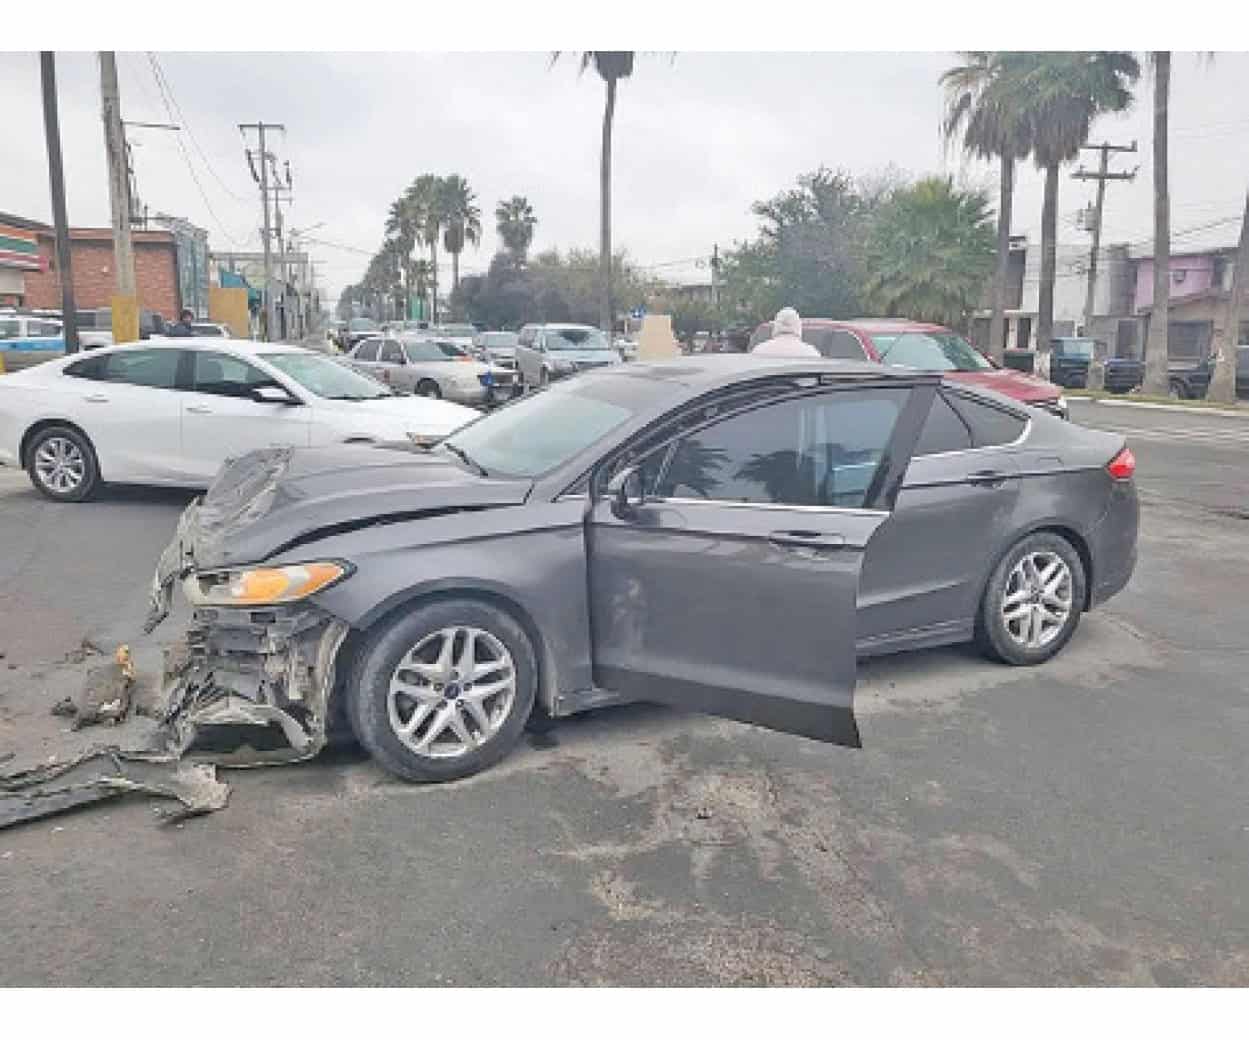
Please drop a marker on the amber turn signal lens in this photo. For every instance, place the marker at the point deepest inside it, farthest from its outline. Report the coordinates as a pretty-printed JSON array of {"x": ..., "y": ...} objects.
[{"x": 268, "y": 585}]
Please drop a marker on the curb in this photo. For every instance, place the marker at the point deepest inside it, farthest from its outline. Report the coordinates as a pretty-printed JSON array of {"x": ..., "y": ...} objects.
[{"x": 1238, "y": 413}]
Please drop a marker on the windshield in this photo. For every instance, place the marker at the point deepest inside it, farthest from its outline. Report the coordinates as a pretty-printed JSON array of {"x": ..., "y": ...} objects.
[
  {"x": 1076, "y": 348},
  {"x": 458, "y": 330},
  {"x": 361, "y": 324},
  {"x": 931, "y": 351},
  {"x": 327, "y": 378},
  {"x": 576, "y": 339},
  {"x": 544, "y": 430},
  {"x": 499, "y": 339}
]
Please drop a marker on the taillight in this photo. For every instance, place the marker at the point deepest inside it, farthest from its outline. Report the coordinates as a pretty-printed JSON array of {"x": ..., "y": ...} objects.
[{"x": 1123, "y": 465}]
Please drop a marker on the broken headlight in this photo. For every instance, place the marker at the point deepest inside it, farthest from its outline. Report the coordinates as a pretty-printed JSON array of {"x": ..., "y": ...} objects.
[{"x": 264, "y": 586}]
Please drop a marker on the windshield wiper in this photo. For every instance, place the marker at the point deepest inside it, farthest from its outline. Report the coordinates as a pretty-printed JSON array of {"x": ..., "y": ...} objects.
[
  {"x": 355, "y": 397},
  {"x": 465, "y": 458}
]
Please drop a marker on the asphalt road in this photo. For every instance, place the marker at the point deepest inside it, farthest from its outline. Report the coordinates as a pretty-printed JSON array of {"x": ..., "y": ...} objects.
[{"x": 1080, "y": 823}]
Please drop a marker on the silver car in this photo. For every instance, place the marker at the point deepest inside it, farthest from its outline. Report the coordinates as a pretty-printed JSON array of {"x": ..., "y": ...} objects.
[
  {"x": 434, "y": 368},
  {"x": 556, "y": 351},
  {"x": 723, "y": 533},
  {"x": 496, "y": 348}
]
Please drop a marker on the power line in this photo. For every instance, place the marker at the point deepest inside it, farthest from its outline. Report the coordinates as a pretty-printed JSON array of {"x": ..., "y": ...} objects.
[
  {"x": 189, "y": 165},
  {"x": 162, "y": 79}
]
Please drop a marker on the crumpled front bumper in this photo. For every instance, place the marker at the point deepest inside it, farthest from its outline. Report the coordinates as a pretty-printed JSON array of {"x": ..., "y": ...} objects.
[{"x": 244, "y": 686}]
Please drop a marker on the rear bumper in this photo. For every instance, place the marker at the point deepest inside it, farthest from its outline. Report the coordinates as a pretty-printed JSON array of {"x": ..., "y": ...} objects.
[{"x": 1112, "y": 543}]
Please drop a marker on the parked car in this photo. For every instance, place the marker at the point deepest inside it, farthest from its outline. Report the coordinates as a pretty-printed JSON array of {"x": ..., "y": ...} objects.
[
  {"x": 627, "y": 348},
  {"x": 1070, "y": 357},
  {"x": 28, "y": 339},
  {"x": 896, "y": 341},
  {"x": 562, "y": 350},
  {"x": 462, "y": 335},
  {"x": 1186, "y": 379},
  {"x": 172, "y": 413},
  {"x": 710, "y": 533},
  {"x": 496, "y": 348},
  {"x": 434, "y": 368},
  {"x": 355, "y": 330}
]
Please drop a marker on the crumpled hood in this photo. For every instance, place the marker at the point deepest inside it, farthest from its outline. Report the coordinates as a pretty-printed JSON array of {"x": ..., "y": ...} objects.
[
  {"x": 268, "y": 499},
  {"x": 1008, "y": 382}
]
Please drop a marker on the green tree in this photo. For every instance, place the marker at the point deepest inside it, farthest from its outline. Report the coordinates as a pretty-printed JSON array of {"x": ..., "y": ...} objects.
[
  {"x": 928, "y": 253},
  {"x": 612, "y": 67},
  {"x": 989, "y": 129},
  {"x": 1059, "y": 94},
  {"x": 402, "y": 230},
  {"x": 515, "y": 223},
  {"x": 461, "y": 220},
  {"x": 426, "y": 203}
]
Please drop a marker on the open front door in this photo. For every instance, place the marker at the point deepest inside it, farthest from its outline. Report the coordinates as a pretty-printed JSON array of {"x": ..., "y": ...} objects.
[{"x": 731, "y": 588}]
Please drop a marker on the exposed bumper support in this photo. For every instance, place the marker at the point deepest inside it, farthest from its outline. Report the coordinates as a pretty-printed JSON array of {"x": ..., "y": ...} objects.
[{"x": 252, "y": 687}]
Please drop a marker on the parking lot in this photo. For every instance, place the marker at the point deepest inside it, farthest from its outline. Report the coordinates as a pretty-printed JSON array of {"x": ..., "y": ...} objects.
[{"x": 1084, "y": 822}]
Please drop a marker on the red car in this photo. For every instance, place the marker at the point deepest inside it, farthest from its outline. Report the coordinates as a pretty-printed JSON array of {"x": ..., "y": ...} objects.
[{"x": 898, "y": 341}]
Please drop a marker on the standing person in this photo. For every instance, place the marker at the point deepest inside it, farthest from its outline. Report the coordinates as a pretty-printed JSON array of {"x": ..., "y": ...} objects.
[
  {"x": 786, "y": 338},
  {"x": 182, "y": 327}
]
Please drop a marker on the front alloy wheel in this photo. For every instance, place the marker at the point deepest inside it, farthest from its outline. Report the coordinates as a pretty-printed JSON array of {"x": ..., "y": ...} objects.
[{"x": 443, "y": 690}]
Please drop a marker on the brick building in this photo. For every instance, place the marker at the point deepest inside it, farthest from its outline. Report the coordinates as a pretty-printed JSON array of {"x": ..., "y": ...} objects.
[{"x": 91, "y": 253}]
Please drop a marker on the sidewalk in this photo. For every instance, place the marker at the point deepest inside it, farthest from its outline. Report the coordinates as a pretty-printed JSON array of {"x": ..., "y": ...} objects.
[{"x": 1161, "y": 404}]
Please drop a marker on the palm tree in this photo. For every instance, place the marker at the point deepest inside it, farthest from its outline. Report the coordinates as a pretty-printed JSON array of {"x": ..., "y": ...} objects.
[
  {"x": 1156, "y": 381},
  {"x": 515, "y": 222},
  {"x": 401, "y": 229},
  {"x": 422, "y": 277},
  {"x": 1223, "y": 382},
  {"x": 461, "y": 220},
  {"x": 612, "y": 66},
  {"x": 425, "y": 199},
  {"x": 989, "y": 130},
  {"x": 928, "y": 252},
  {"x": 1059, "y": 94}
]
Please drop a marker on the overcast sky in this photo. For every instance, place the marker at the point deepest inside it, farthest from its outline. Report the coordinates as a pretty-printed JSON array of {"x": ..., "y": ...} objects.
[{"x": 698, "y": 138}]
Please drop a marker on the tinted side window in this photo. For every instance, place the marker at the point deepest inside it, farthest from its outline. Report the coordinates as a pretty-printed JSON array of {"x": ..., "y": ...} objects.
[
  {"x": 943, "y": 430},
  {"x": 989, "y": 425},
  {"x": 821, "y": 450},
  {"x": 10, "y": 330},
  {"x": 155, "y": 368},
  {"x": 391, "y": 353},
  {"x": 87, "y": 368},
  {"x": 367, "y": 351},
  {"x": 226, "y": 376},
  {"x": 835, "y": 343}
]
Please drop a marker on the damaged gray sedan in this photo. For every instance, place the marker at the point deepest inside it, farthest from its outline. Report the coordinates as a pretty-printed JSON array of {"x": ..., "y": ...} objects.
[{"x": 725, "y": 534}]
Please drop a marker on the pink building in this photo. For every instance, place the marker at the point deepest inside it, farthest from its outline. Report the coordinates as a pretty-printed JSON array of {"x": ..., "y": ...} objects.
[{"x": 1191, "y": 273}]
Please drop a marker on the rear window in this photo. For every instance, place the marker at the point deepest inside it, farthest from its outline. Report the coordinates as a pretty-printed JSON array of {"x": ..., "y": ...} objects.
[
  {"x": 835, "y": 343},
  {"x": 990, "y": 425},
  {"x": 367, "y": 351},
  {"x": 943, "y": 430}
]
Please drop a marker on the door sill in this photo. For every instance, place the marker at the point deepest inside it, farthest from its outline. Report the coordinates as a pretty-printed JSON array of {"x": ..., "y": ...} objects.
[{"x": 940, "y": 634}]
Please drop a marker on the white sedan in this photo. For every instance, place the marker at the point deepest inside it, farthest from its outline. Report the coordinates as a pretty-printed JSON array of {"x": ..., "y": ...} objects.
[{"x": 173, "y": 413}]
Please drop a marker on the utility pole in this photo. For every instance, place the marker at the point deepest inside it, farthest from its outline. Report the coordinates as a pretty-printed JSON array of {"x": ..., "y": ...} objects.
[
  {"x": 125, "y": 301},
  {"x": 1103, "y": 174},
  {"x": 267, "y": 233},
  {"x": 56, "y": 177}
]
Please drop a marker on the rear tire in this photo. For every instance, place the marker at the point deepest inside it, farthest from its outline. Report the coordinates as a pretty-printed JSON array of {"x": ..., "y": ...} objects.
[
  {"x": 422, "y": 710},
  {"x": 1176, "y": 391},
  {"x": 428, "y": 388},
  {"x": 1032, "y": 603},
  {"x": 62, "y": 464}
]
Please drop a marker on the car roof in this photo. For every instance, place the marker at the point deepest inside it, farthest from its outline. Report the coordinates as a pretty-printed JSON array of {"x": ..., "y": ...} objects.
[
  {"x": 707, "y": 371},
  {"x": 239, "y": 346},
  {"x": 566, "y": 325}
]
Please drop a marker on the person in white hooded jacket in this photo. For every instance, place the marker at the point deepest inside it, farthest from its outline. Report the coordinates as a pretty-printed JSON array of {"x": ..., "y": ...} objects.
[{"x": 786, "y": 338}]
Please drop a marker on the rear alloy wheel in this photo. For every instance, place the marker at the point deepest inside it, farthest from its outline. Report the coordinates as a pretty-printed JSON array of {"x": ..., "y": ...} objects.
[
  {"x": 1033, "y": 601},
  {"x": 443, "y": 691},
  {"x": 62, "y": 464},
  {"x": 428, "y": 388}
]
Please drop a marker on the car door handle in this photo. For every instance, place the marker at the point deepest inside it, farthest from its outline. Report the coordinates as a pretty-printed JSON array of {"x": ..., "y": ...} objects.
[
  {"x": 987, "y": 477},
  {"x": 199, "y": 409},
  {"x": 807, "y": 539},
  {"x": 96, "y": 398}
]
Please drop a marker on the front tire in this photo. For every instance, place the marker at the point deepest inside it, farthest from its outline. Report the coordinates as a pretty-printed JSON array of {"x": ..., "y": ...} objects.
[
  {"x": 1032, "y": 603},
  {"x": 62, "y": 464},
  {"x": 1176, "y": 391},
  {"x": 428, "y": 388},
  {"x": 443, "y": 691}
]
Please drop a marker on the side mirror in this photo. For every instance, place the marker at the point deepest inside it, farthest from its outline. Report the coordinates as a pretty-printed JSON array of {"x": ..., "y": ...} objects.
[
  {"x": 272, "y": 395},
  {"x": 625, "y": 492}
]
